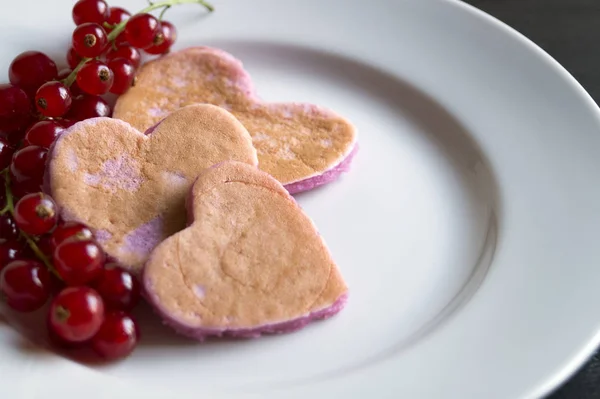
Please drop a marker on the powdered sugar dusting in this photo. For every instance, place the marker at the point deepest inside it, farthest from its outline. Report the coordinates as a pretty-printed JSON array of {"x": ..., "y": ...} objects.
[
  {"x": 143, "y": 239},
  {"x": 72, "y": 161},
  {"x": 91, "y": 180},
  {"x": 285, "y": 152},
  {"x": 102, "y": 236},
  {"x": 121, "y": 173},
  {"x": 200, "y": 291},
  {"x": 326, "y": 143},
  {"x": 157, "y": 112}
]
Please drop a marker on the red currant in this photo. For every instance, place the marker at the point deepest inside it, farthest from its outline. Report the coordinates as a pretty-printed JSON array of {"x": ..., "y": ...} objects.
[
  {"x": 89, "y": 40},
  {"x": 27, "y": 186},
  {"x": 67, "y": 230},
  {"x": 117, "y": 15},
  {"x": 74, "y": 89},
  {"x": 76, "y": 314},
  {"x": 15, "y": 108},
  {"x": 45, "y": 245},
  {"x": 141, "y": 30},
  {"x": 127, "y": 52},
  {"x": 90, "y": 11},
  {"x": 73, "y": 59},
  {"x": 8, "y": 227},
  {"x": 117, "y": 337},
  {"x": 10, "y": 250},
  {"x": 121, "y": 40},
  {"x": 95, "y": 77},
  {"x": 29, "y": 163},
  {"x": 164, "y": 40},
  {"x": 6, "y": 153},
  {"x": 78, "y": 261},
  {"x": 67, "y": 123},
  {"x": 36, "y": 214},
  {"x": 53, "y": 99},
  {"x": 86, "y": 106},
  {"x": 124, "y": 72},
  {"x": 43, "y": 134},
  {"x": 13, "y": 138},
  {"x": 25, "y": 284},
  {"x": 30, "y": 70},
  {"x": 119, "y": 289}
]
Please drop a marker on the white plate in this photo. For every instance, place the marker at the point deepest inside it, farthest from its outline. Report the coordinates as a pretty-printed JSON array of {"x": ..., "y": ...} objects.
[{"x": 467, "y": 229}]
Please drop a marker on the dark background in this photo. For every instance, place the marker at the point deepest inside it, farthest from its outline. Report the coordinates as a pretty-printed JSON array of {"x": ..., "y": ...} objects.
[{"x": 569, "y": 30}]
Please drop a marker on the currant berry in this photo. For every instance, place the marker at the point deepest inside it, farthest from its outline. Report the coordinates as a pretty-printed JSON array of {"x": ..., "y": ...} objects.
[
  {"x": 45, "y": 245},
  {"x": 89, "y": 40},
  {"x": 128, "y": 52},
  {"x": 76, "y": 314},
  {"x": 67, "y": 123},
  {"x": 68, "y": 230},
  {"x": 6, "y": 153},
  {"x": 121, "y": 40},
  {"x": 164, "y": 39},
  {"x": 86, "y": 106},
  {"x": 95, "y": 77},
  {"x": 8, "y": 227},
  {"x": 29, "y": 163},
  {"x": 117, "y": 15},
  {"x": 27, "y": 186},
  {"x": 124, "y": 73},
  {"x": 25, "y": 284},
  {"x": 117, "y": 337},
  {"x": 141, "y": 30},
  {"x": 10, "y": 250},
  {"x": 53, "y": 99},
  {"x": 78, "y": 261},
  {"x": 30, "y": 70},
  {"x": 90, "y": 11},
  {"x": 43, "y": 134},
  {"x": 36, "y": 214},
  {"x": 119, "y": 289},
  {"x": 15, "y": 108},
  {"x": 73, "y": 59}
]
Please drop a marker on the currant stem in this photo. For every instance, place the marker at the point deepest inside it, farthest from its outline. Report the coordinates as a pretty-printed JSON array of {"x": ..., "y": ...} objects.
[
  {"x": 155, "y": 6},
  {"x": 10, "y": 207},
  {"x": 165, "y": 5},
  {"x": 38, "y": 252},
  {"x": 162, "y": 13},
  {"x": 68, "y": 81}
]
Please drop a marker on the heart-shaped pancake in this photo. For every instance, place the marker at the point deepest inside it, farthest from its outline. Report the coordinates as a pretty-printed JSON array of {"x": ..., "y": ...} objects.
[
  {"x": 301, "y": 145},
  {"x": 130, "y": 187},
  {"x": 250, "y": 262}
]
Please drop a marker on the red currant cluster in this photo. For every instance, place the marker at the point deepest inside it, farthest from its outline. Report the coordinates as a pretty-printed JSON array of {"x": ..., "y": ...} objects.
[
  {"x": 92, "y": 298},
  {"x": 40, "y": 256}
]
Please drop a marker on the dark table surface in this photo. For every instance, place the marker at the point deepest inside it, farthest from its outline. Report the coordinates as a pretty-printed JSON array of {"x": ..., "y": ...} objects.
[{"x": 569, "y": 30}]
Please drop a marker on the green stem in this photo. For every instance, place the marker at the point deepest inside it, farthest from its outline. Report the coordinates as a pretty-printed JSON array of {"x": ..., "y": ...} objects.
[
  {"x": 162, "y": 13},
  {"x": 40, "y": 254},
  {"x": 155, "y": 6},
  {"x": 10, "y": 207},
  {"x": 68, "y": 81}
]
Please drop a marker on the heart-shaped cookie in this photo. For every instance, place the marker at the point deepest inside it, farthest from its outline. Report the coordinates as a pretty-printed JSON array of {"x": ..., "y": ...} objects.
[
  {"x": 130, "y": 188},
  {"x": 250, "y": 262},
  {"x": 301, "y": 145}
]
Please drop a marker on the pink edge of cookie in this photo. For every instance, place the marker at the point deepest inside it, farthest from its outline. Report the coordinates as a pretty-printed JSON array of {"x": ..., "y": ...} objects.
[
  {"x": 200, "y": 334},
  {"x": 324, "y": 178}
]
